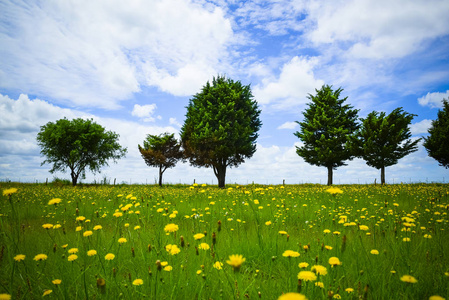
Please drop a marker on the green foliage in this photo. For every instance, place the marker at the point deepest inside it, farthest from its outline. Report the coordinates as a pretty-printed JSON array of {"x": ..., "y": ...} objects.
[
  {"x": 78, "y": 145},
  {"x": 383, "y": 140},
  {"x": 437, "y": 143},
  {"x": 162, "y": 151},
  {"x": 221, "y": 126},
  {"x": 327, "y": 129}
]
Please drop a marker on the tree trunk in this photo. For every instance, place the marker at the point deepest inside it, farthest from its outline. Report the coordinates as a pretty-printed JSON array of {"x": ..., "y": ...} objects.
[
  {"x": 220, "y": 173},
  {"x": 329, "y": 175},
  {"x": 160, "y": 175},
  {"x": 74, "y": 178},
  {"x": 382, "y": 175}
]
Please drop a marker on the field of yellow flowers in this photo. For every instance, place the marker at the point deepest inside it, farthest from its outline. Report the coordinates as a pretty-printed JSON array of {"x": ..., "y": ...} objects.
[{"x": 243, "y": 242}]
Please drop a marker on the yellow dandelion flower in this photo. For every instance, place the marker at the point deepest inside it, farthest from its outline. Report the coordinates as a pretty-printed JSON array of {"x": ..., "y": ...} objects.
[
  {"x": 334, "y": 261},
  {"x": 109, "y": 256},
  {"x": 172, "y": 249},
  {"x": 319, "y": 284},
  {"x": 290, "y": 253},
  {"x": 56, "y": 281},
  {"x": 218, "y": 265},
  {"x": 138, "y": 282},
  {"x": 282, "y": 232},
  {"x": 78, "y": 228},
  {"x": 54, "y": 201},
  {"x": 87, "y": 233},
  {"x": 117, "y": 214},
  {"x": 406, "y": 239},
  {"x": 80, "y": 218},
  {"x": 40, "y": 257},
  {"x": 326, "y": 231},
  {"x": 136, "y": 227},
  {"x": 334, "y": 191},
  {"x": 19, "y": 257},
  {"x": 292, "y": 296},
  {"x": 307, "y": 276},
  {"x": 336, "y": 296},
  {"x": 198, "y": 236},
  {"x": 57, "y": 226},
  {"x": 349, "y": 290},
  {"x": 47, "y": 292},
  {"x": 47, "y": 226},
  {"x": 91, "y": 252},
  {"x": 72, "y": 257},
  {"x": 122, "y": 240},
  {"x": 328, "y": 247},
  {"x": 303, "y": 265},
  {"x": 374, "y": 251},
  {"x": 408, "y": 278},
  {"x": 5, "y": 297},
  {"x": 363, "y": 227},
  {"x": 204, "y": 246},
  {"x": 199, "y": 272},
  {"x": 319, "y": 269},
  {"x": 171, "y": 228},
  {"x": 168, "y": 268},
  {"x": 268, "y": 223},
  {"x": 73, "y": 250},
  {"x": 436, "y": 297},
  {"x": 164, "y": 263},
  {"x": 9, "y": 192},
  {"x": 236, "y": 260}
]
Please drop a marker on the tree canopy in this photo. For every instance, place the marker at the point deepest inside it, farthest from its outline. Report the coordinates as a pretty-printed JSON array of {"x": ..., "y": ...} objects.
[
  {"x": 327, "y": 129},
  {"x": 437, "y": 143},
  {"x": 78, "y": 145},
  {"x": 221, "y": 125},
  {"x": 383, "y": 140},
  {"x": 162, "y": 151}
]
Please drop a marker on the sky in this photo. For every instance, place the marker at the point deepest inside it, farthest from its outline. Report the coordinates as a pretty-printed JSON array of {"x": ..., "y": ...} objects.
[{"x": 132, "y": 66}]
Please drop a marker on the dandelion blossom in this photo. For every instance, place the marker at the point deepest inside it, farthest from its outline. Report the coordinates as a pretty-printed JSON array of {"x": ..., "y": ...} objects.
[
  {"x": 72, "y": 257},
  {"x": 168, "y": 268},
  {"x": 374, "y": 251},
  {"x": 204, "y": 246},
  {"x": 122, "y": 240},
  {"x": 5, "y": 296},
  {"x": 171, "y": 228},
  {"x": 268, "y": 223},
  {"x": 172, "y": 249},
  {"x": 303, "y": 265},
  {"x": 363, "y": 227},
  {"x": 40, "y": 257},
  {"x": 292, "y": 296},
  {"x": 47, "y": 292},
  {"x": 236, "y": 261},
  {"x": 9, "y": 192},
  {"x": 73, "y": 250},
  {"x": 290, "y": 253},
  {"x": 109, "y": 256},
  {"x": 282, "y": 232},
  {"x": 319, "y": 269},
  {"x": 138, "y": 282},
  {"x": 349, "y": 290},
  {"x": 47, "y": 226},
  {"x": 98, "y": 227},
  {"x": 408, "y": 278},
  {"x": 319, "y": 284},
  {"x": 334, "y": 191},
  {"x": 19, "y": 257},
  {"x": 307, "y": 276},
  {"x": 198, "y": 236},
  {"x": 436, "y": 297},
  {"x": 91, "y": 252},
  {"x": 334, "y": 261},
  {"x": 218, "y": 265},
  {"x": 56, "y": 281},
  {"x": 54, "y": 201},
  {"x": 87, "y": 233}
]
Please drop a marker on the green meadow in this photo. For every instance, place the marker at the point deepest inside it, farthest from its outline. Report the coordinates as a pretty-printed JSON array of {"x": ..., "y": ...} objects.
[{"x": 243, "y": 242}]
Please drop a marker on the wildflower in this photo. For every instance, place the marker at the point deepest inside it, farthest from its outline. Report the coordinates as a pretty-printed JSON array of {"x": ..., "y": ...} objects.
[
  {"x": 319, "y": 284},
  {"x": 406, "y": 239},
  {"x": 47, "y": 292},
  {"x": 98, "y": 227},
  {"x": 307, "y": 276},
  {"x": 218, "y": 265},
  {"x": 73, "y": 250},
  {"x": 168, "y": 268},
  {"x": 172, "y": 249},
  {"x": 19, "y": 257},
  {"x": 78, "y": 228},
  {"x": 138, "y": 282},
  {"x": 9, "y": 192},
  {"x": 54, "y": 201},
  {"x": 436, "y": 297},
  {"x": 64, "y": 246},
  {"x": 117, "y": 214},
  {"x": 303, "y": 265},
  {"x": 87, "y": 233},
  {"x": 91, "y": 252},
  {"x": 363, "y": 227},
  {"x": 334, "y": 191},
  {"x": 374, "y": 251},
  {"x": 328, "y": 247},
  {"x": 349, "y": 290},
  {"x": 72, "y": 257},
  {"x": 40, "y": 257},
  {"x": 268, "y": 223},
  {"x": 204, "y": 246},
  {"x": 427, "y": 236},
  {"x": 337, "y": 296},
  {"x": 5, "y": 296},
  {"x": 199, "y": 272},
  {"x": 320, "y": 270},
  {"x": 236, "y": 261},
  {"x": 47, "y": 226},
  {"x": 334, "y": 261},
  {"x": 164, "y": 263},
  {"x": 122, "y": 240},
  {"x": 292, "y": 296},
  {"x": 109, "y": 256},
  {"x": 198, "y": 236},
  {"x": 290, "y": 253},
  {"x": 326, "y": 231},
  {"x": 57, "y": 226},
  {"x": 282, "y": 232},
  {"x": 336, "y": 232},
  {"x": 56, "y": 281},
  {"x": 171, "y": 228},
  {"x": 136, "y": 227},
  {"x": 408, "y": 278}
]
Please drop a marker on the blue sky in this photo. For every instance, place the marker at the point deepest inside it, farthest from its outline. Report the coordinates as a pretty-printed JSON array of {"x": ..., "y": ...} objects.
[{"x": 133, "y": 66}]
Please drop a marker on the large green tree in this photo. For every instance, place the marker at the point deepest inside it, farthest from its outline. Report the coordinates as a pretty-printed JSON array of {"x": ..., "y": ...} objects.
[
  {"x": 78, "y": 145},
  {"x": 326, "y": 130},
  {"x": 221, "y": 126},
  {"x": 437, "y": 143},
  {"x": 383, "y": 140},
  {"x": 161, "y": 151}
]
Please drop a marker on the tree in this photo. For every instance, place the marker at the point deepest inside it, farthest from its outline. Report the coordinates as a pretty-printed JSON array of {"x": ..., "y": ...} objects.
[
  {"x": 162, "y": 151},
  {"x": 383, "y": 140},
  {"x": 437, "y": 143},
  {"x": 221, "y": 126},
  {"x": 76, "y": 145},
  {"x": 326, "y": 130}
]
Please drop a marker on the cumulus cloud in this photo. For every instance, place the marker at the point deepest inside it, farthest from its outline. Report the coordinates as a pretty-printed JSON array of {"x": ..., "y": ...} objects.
[
  {"x": 145, "y": 112},
  {"x": 288, "y": 125},
  {"x": 99, "y": 53},
  {"x": 291, "y": 88},
  {"x": 434, "y": 99},
  {"x": 420, "y": 127},
  {"x": 175, "y": 122}
]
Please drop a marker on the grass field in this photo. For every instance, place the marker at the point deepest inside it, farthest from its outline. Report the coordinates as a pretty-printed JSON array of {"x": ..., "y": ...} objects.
[{"x": 134, "y": 242}]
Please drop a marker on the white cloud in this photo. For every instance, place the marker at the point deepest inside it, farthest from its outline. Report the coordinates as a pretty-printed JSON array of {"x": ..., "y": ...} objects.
[
  {"x": 145, "y": 112},
  {"x": 420, "y": 127},
  {"x": 288, "y": 125},
  {"x": 295, "y": 82},
  {"x": 434, "y": 99},
  {"x": 98, "y": 53},
  {"x": 175, "y": 122}
]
